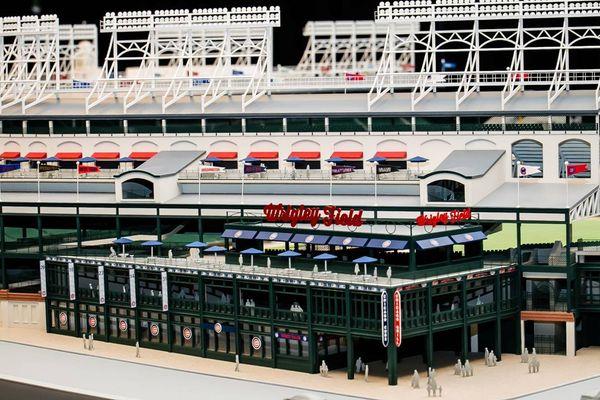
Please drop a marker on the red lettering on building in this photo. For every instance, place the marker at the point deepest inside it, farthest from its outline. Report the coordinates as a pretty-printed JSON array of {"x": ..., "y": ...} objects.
[
  {"x": 329, "y": 215},
  {"x": 444, "y": 218}
]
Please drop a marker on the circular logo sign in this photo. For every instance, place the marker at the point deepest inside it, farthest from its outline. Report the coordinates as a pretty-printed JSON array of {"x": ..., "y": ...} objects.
[
  {"x": 386, "y": 243},
  {"x": 256, "y": 343},
  {"x": 72, "y": 296},
  {"x": 92, "y": 321},
  {"x": 309, "y": 238},
  {"x": 273, "y": 236},
  {"x": 187, "y": 333},
  {"x": 434, "y": 242},
  {"x": 523, "y": 171},
  {"x": 347, "y": 241},
  {"x": 154, "y": 329},
  {"x": 123, "y": 325},
  {"x": 218, "y": 328},
  {"x": 237, "y": 234},
  {"x": 62, "y": 318},
  {"x": 468, "y": 236}
]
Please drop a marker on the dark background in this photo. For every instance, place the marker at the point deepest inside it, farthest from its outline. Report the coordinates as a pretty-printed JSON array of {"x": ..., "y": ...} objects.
[{"x": 289, "y": 43}]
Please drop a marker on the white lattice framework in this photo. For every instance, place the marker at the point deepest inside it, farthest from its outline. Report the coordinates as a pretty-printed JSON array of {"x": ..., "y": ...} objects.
[
  {"x": 586, "y": 208},
  {"x": 180, "y": 53},
  {"x": 29, "y": 60},
  {"x": 493, "y": 27},
  {"x": 71, "y": 36},
  {"x": 335, "y": 47}
]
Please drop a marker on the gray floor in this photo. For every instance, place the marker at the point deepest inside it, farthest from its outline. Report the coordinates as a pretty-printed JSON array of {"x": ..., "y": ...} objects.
[
  {"x": 124, "y": 380},
  {"x": 571, "y": 391}
]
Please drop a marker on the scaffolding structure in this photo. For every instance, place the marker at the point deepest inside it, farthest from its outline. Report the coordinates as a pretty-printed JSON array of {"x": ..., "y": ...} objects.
[
  {"x": 78, "y": 45},
  {"x": 179, "y": 53},
  {"x": 29, "y": 60},
  {"x": 350, "y": 46},
  {"x": 521, "y": 29}
]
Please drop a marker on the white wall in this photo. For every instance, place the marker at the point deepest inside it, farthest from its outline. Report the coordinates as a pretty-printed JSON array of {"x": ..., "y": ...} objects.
[
  {"x": 22, "y": 314},
  {"x": 165, "y": 188}
]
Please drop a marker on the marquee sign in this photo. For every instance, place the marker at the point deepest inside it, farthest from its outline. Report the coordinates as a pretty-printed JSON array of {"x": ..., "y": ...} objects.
[
  {"x": 397, "y": 319},
  {"x": 384, "y": 319},
  {"x": 328, "y": 215},
  {"x": 444, "y": 218}
]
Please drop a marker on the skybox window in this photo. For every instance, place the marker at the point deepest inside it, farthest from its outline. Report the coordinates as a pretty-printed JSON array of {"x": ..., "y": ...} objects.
[
  {"x": 138, "y": 189},
  {"x": 446, "y": 191}
]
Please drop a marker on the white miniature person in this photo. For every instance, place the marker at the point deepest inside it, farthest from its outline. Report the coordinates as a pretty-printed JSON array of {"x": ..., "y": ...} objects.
[
  {"x": 487, "y": 357},
  {"x": 414, "y": 383},
  {"x": 525, "y": 356},
  {"x": 468, "y": 368},
  {"x": 457, "y": 367}
]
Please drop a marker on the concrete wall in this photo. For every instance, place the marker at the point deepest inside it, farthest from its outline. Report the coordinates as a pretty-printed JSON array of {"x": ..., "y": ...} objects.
[{"x": 22, "y": 311}]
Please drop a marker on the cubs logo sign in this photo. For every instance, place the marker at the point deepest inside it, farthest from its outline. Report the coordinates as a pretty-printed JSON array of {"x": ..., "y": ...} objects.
[
  {"x": 218, "y": 328},
  {"x": 62, "y": 318},
  {"x": 154, "y": 330},
  {"x": 256, "y": 343},
  {"x": 123, "y": 325},
  {"x": 187, "y": 333},
  {"x": 92, "y": 321}
]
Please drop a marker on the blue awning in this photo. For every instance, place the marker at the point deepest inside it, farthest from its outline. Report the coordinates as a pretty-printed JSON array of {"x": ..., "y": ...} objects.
[
  {"x": 435, "y": 242},
  {"x": 274, "y": 236},
  {"x": 387, "y": 244},
  {"x": 468, "y": 237},
  {"x": 312, "y": 239},
  {"x": 347, "y": 241},
  {"x": 238, "y": 234}
]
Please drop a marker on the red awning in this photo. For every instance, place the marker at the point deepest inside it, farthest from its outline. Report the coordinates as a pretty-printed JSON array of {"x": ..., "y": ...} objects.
[
  {"x": 348, "y": 155},
  {"x": 36, "y": 155},
  {"x": 391, "y": 155},
  {"x": 10, "y": 154},
  {"x": 223, "y": 155},
  {"x": 68, "y": 156},
  {"x": 264, "y": 155},
  {"x": 142, "y": 155},
  {"x": 306, "y": 155},
  {"x": 115, "y": 155}
]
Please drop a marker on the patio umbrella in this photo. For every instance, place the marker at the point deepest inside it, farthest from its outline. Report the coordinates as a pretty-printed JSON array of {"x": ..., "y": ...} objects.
[
  {"x": 250, "y": 160},
  {"x": 377, "y": 159},
  {"x": 125, "y": 159},
  {"x": 212, "y": 159},
  {"x": 196, "y": 245},
  {"x": 215, "y": 250},
  {"x": 418, "y": 160},
  {"x": 50, "y": 159},
  {"x": 252, "y": 251},
  {"x": 87, "y": 159},
  {"x": 325, "y": 257},
  {"x": 123, "y": 241},
  {"x": 19, "y": 159},
  {"x": 365, "y": 260},
  {"x": 335, "y": 160},
  {"x": 289, "y": 254},
  {"x": 151, "y": 244},
  {"x": 294, "y": 159}
]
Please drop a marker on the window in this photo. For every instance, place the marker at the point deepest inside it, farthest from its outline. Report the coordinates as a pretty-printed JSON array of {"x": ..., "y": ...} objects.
[
  {"x": 446, "y": 191},
  {"x": 528, "y": 153},
  {"x": 138, "y": 189},
  {"x": 578, "y": 154}
]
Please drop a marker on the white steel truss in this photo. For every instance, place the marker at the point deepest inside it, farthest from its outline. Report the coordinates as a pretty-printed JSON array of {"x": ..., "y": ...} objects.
[
  {"x": 349, "y": 46},
  {"x": 586, "y": 208},
  {"x": 523, "y": 28},
  {"x": 72, "y": 38},
  {"x": 29, "y": 60},
  {"x": 178, "y": 53}
]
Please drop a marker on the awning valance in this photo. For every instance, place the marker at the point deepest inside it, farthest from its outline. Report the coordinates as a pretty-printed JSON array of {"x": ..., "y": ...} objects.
[
  {"x": 69, "y": 156},
  {"x": 348, "y": 155},
  {"x": 36, "y": 155},
  {"x": 142, "y": 155},
  {"x": 274, "y": 236},
  {"x": 305, "y": 155},
  {"x": 10, "y": 154},
  {"x": 312, "y": 239},
  {"x": 347, "y": 241},
  {"x": 238, "y": 234},
  {"x": 435, "y": 242},
  {"x": 391, "y": 155},
  {"x": 264, "y": 155},
  {"x": 223, "y": 155},
  {"x": 468, "y": 237},
  {"x": 109, "y": 155},
  {"x": 386, "y": 244}
]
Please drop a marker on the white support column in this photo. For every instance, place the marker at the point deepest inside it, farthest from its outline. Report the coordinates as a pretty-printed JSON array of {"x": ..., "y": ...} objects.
[
  {"x": 51, "y": 127},
  {"x": 125, "y": 126},
  {"x": 87, "y": 126},
  {"x": 522, "y": 335},
  {"x": 24, "y": 126},
  {"x": 163, "y": 123},
  {"x": 284, "y": 121},
  {"x": 570, "y": 339},
  {"x": 326, "y": 124}
]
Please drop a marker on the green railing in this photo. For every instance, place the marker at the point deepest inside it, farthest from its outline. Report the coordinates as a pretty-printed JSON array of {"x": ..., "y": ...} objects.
[
  {"x": 481, "y": 310},
  {"x": 329, "y": 319},
  {"x": 415, "y": 322},
  {"x": 446, "y": 316},
  {"x": 366, "y": 324},
  {"x": 185, "y": 305},
  {"x": 87, "y": 294},
  {"x": 219, "y": 308},
  {"x": 118, "y": 297},
  {"x": 255, "y": 312},
  {"x": 150, "y": 301},
  {"x": 291, "y": 316}
]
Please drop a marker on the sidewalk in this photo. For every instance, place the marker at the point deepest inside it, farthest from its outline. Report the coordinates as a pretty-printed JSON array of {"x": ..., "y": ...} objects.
[{"x": 509, "y": 379}]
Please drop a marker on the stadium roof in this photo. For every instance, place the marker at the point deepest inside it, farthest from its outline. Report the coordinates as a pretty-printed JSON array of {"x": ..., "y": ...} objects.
[
  {"x": 468, "y": 163},
  {"x": 166, "y": 163}
]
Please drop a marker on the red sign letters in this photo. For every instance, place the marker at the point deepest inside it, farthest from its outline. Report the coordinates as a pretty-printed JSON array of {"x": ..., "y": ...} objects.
[
  {"x": 444, "y": 218},
  {"x": 329, "y": 215}
]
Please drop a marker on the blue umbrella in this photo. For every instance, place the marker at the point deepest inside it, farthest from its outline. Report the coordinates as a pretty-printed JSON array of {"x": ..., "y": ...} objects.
[
  {"x": 418, "y": 160},
  {"x": 50, "y": 159},
  {"x": 289, "y": 254},
  {"x": 19, "y": 159},
  {"x": 87, "y": 159},
  {"x": 335, "y": 160},
  {"x": 377, "y": 159},
  {"x": 151, "y": 244},
  {"x": 325, "y": 257},
  {"x": 123, "y": 241},
  {"x": 294, "y": 159},
  {"x": 250, "y": 160},
  {"x": 125, "y": 159},
  {"x": 252, "y": 251},
  {"x": 212, "y": 159},
  {"x": 215, "y": 249},
  {"x": 364, "y": 260},
  {"x": 195, "y": 245}
]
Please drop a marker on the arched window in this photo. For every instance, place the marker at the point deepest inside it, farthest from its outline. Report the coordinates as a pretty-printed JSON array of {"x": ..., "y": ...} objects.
[
  {"x": 576, "y": 152},
  {"x": 529, "y": 153},
  {"x": 137, "y": 189},
  {"x": 446, "y": 190}
]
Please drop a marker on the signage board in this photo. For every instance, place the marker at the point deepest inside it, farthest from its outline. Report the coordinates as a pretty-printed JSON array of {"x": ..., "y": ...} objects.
[
  {"x": 101, "y": 291},
  {"x": 397, "y": 318},
  {"x": 384, "y": 319},
  {"x": 444, "y": 217},
  {"x": 165, "y": 291},
  {"x": 43, "y": 289},
  {"x": 256, "y": 343},
  {"x": 132, "y": 297},
  {"x": 328, "y": 215},
  {"x": 71, "y": 270}
]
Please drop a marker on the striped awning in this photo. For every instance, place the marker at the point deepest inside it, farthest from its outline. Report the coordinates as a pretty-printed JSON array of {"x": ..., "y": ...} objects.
[
  {"x": 238, "y": 234},
  {"x": 274, "y": 236},
  {"x": 469, "y": 237},
  {"x": 435, "y": 242},
  {"x": 347, "y": 241},
  {"x": 386, "y": 244},
  {"x": 308, "y": 238}
]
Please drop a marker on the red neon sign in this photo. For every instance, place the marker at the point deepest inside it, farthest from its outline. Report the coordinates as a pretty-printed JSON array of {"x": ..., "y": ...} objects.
[
  {"x": 397, "y": 318},
  {"x": 444, "y": 218},
  {"x": 328, "y": 215}
]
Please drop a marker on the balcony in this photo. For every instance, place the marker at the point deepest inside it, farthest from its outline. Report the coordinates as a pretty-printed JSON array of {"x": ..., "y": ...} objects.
[
  {"x": 443, "y": 317},
  {"x": 291, "y": 316},
  {"x": 329, "y": 319},
  {"x": 255, "y": 312},
  {"x": 479, "y": 310},
  {"x": 184, "y": 304},
  {"x": 219, "y": 308}
]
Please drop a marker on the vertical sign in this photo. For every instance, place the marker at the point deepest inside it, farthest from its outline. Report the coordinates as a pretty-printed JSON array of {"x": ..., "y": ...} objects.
[
  {"x": 132, "y": 287},
  {"x": 101, "y": 293},
  {"x": 397, "y": 318},
  {"x": 384, "y": 319},
  {"x": 71, "y": 270},
  {"x": 165, "y": 293},
  {"x": 43, "y": 278}
]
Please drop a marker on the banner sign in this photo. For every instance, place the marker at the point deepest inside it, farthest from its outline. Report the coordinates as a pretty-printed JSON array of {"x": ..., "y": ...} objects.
[
  {"x": 87, "y": 169},
  {"x": 211, "y": 169},
  {"x": 341, "y": 169},
  {"x": 444, "y": 218},
  {"x": 328, "y": 215},
  {"x": 253, "y": 169},
  {"x": 397, "y": 319},
  {"x": 48, "y": 168},
  {"x": 291, "y": 336},
  {"x": 43, "y": 278},
  {"x": 9, "y": 167},
  {"x": 165, "y": 292},
  {"x": 71, "y": 269},
  {"x": 101, "y": 294},
  {"x": 384, "y": 319},
  {"x": 132, "y": 288},
  {"x": 386, "y": 169}
]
